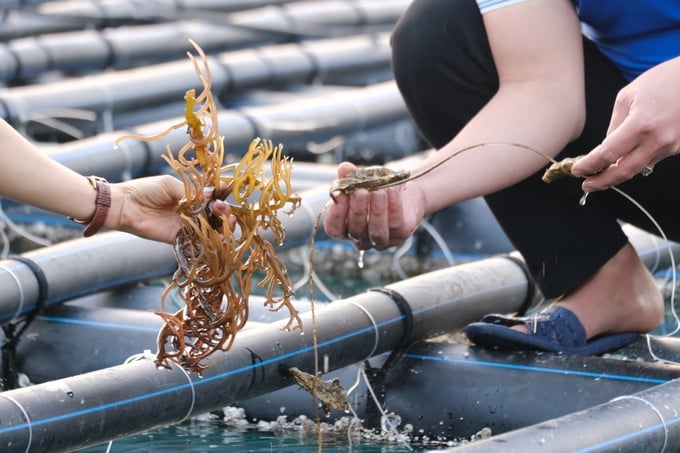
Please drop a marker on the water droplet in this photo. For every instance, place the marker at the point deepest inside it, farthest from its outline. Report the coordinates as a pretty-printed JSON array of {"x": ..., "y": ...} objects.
[
  {"x": 583, "y": 199},
  {"x": 69, "y": 394},
  {"x": 360, "y": 263}
]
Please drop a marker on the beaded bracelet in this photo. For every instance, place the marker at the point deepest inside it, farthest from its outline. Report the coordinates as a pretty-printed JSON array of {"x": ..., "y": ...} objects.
[{"x": 101, "y": 206}]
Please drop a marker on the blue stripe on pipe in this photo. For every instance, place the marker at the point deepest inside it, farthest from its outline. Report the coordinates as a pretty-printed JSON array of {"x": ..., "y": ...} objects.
[
  {"x": 616, "y": 377},
  {"x": 109, "y": 325}
]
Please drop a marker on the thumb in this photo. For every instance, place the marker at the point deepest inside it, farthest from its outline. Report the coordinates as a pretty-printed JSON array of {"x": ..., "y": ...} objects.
[{"x": 344, "y": 168}]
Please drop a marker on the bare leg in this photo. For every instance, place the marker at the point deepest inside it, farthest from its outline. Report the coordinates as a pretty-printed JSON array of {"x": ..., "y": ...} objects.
[{"x": 621, "y": 297}]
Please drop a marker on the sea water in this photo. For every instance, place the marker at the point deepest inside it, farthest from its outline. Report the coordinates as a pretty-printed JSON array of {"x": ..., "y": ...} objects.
[{"x": 211, "y": 436}]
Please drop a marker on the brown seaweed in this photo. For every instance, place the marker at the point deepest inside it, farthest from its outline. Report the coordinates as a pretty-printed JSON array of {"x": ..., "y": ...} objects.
[{"x": 216, "y": 264}]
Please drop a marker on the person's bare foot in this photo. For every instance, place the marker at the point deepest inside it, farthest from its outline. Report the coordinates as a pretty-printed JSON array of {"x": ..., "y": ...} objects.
[{"x": 621, "y": 297}]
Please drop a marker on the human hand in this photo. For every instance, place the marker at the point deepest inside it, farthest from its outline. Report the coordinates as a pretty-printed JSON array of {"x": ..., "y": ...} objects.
[
  {"x": 147, "y": 207},
  {"x": 643, "y": 130},
  {"x": 377, "y": 219}
]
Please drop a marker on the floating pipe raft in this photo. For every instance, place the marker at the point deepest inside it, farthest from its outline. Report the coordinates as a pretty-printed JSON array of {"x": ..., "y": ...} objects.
[
  {"x": 109, "y": 94},
  {"x": 73, "y": 412},
  {"x": 297, "y": 123},
  {"x": 86, "y": 51},
  {"x": 463, "y": 388},
  {"x": 296, "y": 18},
  {"x": 258, "y": 14},
  {"x": 131, "y": 9},
  {"x": 423, "y": 377}
]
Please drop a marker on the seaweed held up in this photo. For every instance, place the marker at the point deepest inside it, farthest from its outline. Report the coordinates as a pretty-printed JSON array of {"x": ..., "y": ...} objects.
[{"x": 217, "y": 260}]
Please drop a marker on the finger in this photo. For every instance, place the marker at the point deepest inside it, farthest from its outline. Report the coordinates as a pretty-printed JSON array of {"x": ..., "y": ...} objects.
[
  {"x": 624, "y": 169},
  {"x": 597, "y": 160},
  {"x": 601, "y": 181},
  {"x": 378, "y": 220},
  {"x": 396, "y": 216},
  {"x": 219, "y": 208},
  {"x": 620, "y": 111},
  {"x": 335, "y": 221},
  {"x": 344, "y": 168},
  {"x": 358, "y": 215},
  {"x": 619, "y": 143}
]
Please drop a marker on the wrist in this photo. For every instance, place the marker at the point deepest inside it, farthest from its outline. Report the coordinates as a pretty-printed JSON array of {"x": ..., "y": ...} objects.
[{"x": 102, "y": 203}]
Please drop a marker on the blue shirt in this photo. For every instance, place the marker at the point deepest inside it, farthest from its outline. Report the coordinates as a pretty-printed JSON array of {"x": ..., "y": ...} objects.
[{"x": 634, "y": 34}]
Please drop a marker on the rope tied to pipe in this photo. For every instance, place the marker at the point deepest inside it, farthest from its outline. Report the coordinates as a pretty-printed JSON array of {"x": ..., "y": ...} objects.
[
  {"x": 12, "y": 331},
  {"x": 376, "y": 376}
]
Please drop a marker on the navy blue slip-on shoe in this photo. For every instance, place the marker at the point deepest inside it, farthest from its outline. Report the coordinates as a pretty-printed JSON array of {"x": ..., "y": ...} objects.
[{"x": 554, "y": 329}]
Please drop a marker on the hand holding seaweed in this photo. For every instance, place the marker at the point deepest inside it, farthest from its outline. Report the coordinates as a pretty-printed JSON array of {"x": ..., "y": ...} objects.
[{"x": 217, "y": 262}]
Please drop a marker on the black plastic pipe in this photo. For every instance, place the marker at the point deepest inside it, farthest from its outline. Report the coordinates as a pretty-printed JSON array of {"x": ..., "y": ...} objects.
[
  {"x": 295, "y": 124},
  {"x": 106, "y": 95},
  {"x": 258, "y": 14},
  {"x": 271, "y": 16},
  {"x": 451, "y": 391},
  {"x": 88, "y": 51},
  {"x": 463, "y": 389},
  {"x": 87, "y": 409},
  {"x": 20, "y": 23},
  {"x": 646, "y": 421},
  {"x": 70, "y": 269},
  {"x": 114, "y": 9},
  {"x": 98, "y": 331}
]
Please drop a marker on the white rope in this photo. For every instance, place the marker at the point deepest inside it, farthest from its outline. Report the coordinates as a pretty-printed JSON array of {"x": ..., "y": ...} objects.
[
  {"x": 149, "y": 356},
  {"x": 5, "y": 241},
  {"x": 384, "y": 416},
  {"x": 126, "y": 173},
  {"x": 663, "y": 422},
  {"x": 28, "y": 419},
  {"x": 355, "y": 417},
  {"x": 375, "y": 328},
  {"x": 22, "y": 297},
  {"x": 439, "y": 240},
  {"x": 304, "y": 251},
  {"x": 23, "y": 232},
  {"x": 193, "y": 392}
]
